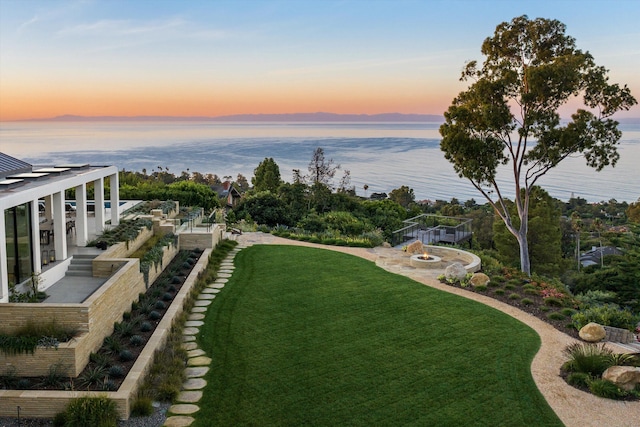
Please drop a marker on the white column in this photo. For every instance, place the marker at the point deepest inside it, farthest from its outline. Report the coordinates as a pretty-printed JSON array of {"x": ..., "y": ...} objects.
[
  {"x": 81, "y": 215},
  {"x": 48, "y": 208},
  {"x": 35, "y": 236},
  {"x": 4, "y": 290},
  {"x": 98, "y": 197},
  {"x": 59, "y": 226},
  {"x": 115, "y": 199}
]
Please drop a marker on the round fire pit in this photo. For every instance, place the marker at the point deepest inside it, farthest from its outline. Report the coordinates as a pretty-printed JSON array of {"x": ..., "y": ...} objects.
[{"x": 425, "y": 261}]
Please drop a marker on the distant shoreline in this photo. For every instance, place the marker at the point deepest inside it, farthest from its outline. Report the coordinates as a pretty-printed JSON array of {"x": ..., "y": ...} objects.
[{"x": 294, "y": 117}]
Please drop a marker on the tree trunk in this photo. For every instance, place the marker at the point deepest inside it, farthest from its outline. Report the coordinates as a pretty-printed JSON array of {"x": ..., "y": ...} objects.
[{"x": 525, "y": 262}]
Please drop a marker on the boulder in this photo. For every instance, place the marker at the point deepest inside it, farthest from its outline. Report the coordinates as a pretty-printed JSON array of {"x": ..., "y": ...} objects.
[
  {"x": 625, "y": 377},
  {"x": 455, "y": 272},
  {"x": 592, "y": 332},
  {"x": 416, "y": 247},
  {"x": 479, "y": 279}
]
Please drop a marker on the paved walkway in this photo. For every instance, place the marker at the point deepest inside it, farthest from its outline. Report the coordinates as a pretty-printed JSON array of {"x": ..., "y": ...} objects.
[{"x": 573, "y": 407}]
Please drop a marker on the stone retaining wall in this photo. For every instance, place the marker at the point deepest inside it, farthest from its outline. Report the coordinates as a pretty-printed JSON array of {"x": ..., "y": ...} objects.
[
  {"x": 45, "y": 404},
  {"x": 618, "y": 335}
]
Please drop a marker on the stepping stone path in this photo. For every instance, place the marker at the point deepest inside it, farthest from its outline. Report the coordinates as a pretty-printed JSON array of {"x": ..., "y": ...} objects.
[{"x": 198, "y": 362}]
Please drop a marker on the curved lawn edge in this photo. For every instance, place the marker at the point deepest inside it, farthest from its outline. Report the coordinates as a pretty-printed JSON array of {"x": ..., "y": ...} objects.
[{"x": 341, "y": 341}]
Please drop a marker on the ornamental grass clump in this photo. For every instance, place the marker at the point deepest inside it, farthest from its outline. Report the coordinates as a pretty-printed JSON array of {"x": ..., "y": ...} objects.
[
  {"x": 592, "y": 359},
  {"x": 91, "y": 411}
]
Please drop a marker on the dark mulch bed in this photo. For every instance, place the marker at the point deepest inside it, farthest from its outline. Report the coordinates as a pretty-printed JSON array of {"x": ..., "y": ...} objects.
[
  {"x": 536, "y": 308},
  {"x": 119, "y": 349}
]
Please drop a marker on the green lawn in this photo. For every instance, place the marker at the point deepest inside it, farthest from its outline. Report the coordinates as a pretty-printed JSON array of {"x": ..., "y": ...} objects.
[{"x": 303, "y": 336}]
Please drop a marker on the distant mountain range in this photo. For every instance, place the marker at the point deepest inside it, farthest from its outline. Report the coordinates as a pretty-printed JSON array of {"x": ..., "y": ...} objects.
[{"x": 294, "y": 117}]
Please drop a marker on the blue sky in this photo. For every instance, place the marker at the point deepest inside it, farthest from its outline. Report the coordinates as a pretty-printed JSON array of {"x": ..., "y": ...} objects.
[{"x": 213, "y": 58}]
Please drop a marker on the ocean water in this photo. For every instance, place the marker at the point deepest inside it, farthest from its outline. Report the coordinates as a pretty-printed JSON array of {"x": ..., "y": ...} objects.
[{"x": 383, "y": 156}]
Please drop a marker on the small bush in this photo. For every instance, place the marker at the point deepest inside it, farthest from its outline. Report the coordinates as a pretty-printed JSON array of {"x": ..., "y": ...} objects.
[
  {"x": 145, "y": 326},
  {"x": 532, "y": 292},
  {"x": 154, "y": 315},
  {"x": 509, "y": 286},
  {"x": 579, "y": 379},
  {"x": 55, "y": 377},
  {"x": 123, "y": 329},
  {"x": 545, "y": 308},
  {"x": 100, "y": 359},
  {"x": 92, "y": 376},
  {"x": 607, "y": 315},
  {"x": 91, "y": 411},
  {"x": 568, "y": 311},
  {"x": 526, "y": 301},
  {"x": 60, "y": 419},
  {"x": 136, "y": 340},
  {"x": 588, "y": 358},
  {"x": 116, "y": 371},
  {"x": 553, "y": 302},
  {"x": 606, "y": 389},
  {"x": 556, "y": 316},
  {"x": 499, "y": 292},
  {"x": 167, "y": 296},
  {"x": 514, "y": 296},
  {"x": 125, "y": 355},
  {"x": 112, "y": 344},
  {"x": 108, "y": 385},
  {"x": 159, "y": 305},
  {"x": 142, "y": 407}
]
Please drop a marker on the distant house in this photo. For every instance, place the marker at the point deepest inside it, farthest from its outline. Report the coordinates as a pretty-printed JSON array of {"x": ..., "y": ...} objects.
[
  {"x": 229, "y": 192},
  {"x": 36, "y": 219},
  {"x": 594, "y": 256}
]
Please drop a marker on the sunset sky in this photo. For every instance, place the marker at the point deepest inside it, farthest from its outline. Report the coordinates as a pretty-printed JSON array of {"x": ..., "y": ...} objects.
[{"x": 212, "y": 58}]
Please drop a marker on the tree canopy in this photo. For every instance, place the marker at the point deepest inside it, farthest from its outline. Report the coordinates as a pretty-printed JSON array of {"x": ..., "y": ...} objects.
[
  {"x": 267, "y": 176},
  {"x": 509, "y": 115}
]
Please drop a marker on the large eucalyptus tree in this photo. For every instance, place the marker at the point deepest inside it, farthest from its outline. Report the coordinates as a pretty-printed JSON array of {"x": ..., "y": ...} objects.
[{"x": 509, "y": 115}]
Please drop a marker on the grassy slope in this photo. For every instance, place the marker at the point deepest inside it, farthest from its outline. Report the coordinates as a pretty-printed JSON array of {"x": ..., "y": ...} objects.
[{"x": 304, "y": 336}]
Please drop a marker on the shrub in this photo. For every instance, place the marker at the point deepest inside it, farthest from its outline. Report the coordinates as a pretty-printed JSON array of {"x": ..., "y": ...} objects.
[
  {"x": 136, "y": 340},
  {"x": 154, "y": 315},
  {"x": 145, "y": 326},
  {"x": 514, "y": 296},
  {"x": 112, "y": 344},
  {"x": 532, "y": 291},
  {"x": 116, "y": 371},
  {"x": 595, "y": 297},
  {"x": 555, "y": 316},
  {"x": 167, "y": 296},
  {"x": 91, "y": 411},
  {"x": 590, "y": 359},
  {"x": 509, "y": 286},
  {"x": 579, "y": 379},
  {"x": 526, "y": 301},
  {"x": 607, "y": 389},
  {"x": 123, "y": 329},
  {"x": 55, "y": 377},
  {"x": 607, "y": 315},
  {"x": 108, "y": 385},
  {"x": 159, "y": 305},
  {"x": 125, "y": 355},
  {"x": 545, "y": 308},
  {"x": 142, "y": 407},
  {"x": 100, "y": 359},
  {"x": 91, "y": 376},
  {"x": 568, "y": 311},
  {"x": 499, "y": 292},
  {"x": 553, "y": 302},
  {"x": 481, "y": 288}
]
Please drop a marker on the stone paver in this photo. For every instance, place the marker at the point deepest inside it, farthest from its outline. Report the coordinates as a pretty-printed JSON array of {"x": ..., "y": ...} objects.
[
  {"x": 199, "y": 361},
  {"x": 195, "y": 352},
  {"x": 202, "y": 303},
  {"x": 204, "y": 297},
  {"x": 188, "y": 338},
  {"x": 193, "y": 323},
  {"x": 179, "y": 421},
  {"x": 196, "y": 316},
  {"x": 183, "y": 409},
  {"x": 189, "y": 396},
  {"x": 196, "y": 371},
  {"x": 194, "y": 384},
  {"x": 224, "y": 275},
  {"x": 190, "y": 346},
  {"x": 190, "y": 331},
  {"x": 199, "y": 310},
  {"x": 210, "y": 291}
]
